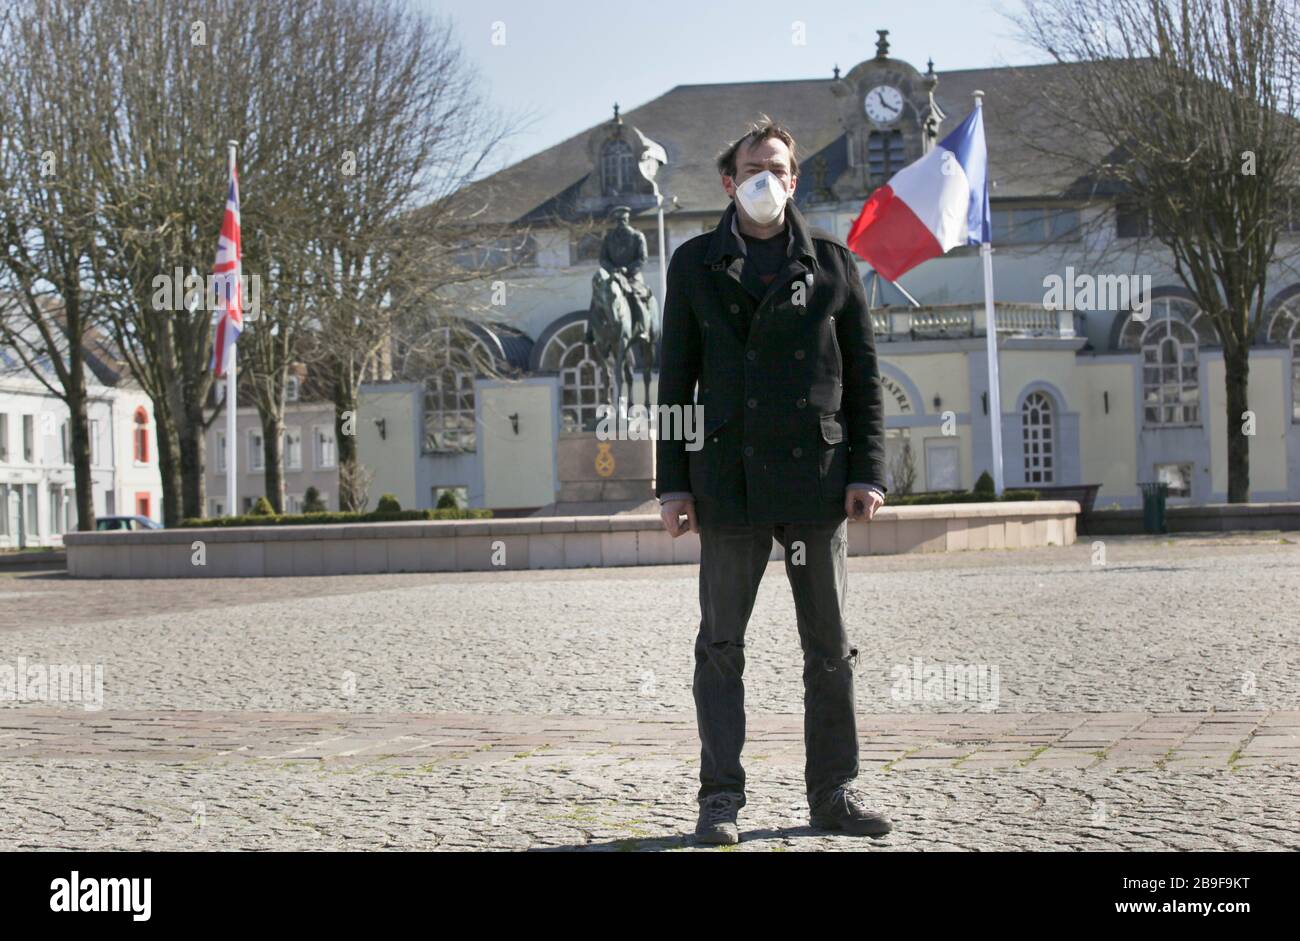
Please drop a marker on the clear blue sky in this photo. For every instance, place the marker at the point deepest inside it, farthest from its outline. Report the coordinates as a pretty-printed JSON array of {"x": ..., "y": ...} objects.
[{"x": 565, "y": 62}]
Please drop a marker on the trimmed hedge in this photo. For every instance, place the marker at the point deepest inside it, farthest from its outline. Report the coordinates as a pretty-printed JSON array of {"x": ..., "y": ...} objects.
[
  {"x": 324, "y": 519},
  {"x": 959, "y": 496}
]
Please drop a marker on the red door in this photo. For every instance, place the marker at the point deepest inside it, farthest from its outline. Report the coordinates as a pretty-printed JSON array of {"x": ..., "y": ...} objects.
[{"x": 142, "y": 505}]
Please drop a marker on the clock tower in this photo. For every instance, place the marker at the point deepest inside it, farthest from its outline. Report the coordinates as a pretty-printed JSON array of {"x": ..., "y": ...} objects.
[{"x": 889, "y": 116}]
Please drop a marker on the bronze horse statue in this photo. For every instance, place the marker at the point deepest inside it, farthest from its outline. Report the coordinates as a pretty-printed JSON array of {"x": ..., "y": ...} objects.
[
  {"x": 623, "y": 319},
  {"x": 623, "y": 336}
]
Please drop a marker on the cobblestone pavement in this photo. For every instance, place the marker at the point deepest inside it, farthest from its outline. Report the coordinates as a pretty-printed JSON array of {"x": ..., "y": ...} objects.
[
  {"x": 326, "y": 781},
  {"x": 1150, "y": 702}
]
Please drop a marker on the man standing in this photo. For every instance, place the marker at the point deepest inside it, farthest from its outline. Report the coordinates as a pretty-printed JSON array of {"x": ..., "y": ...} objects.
[{"x": 768, "y": 318}]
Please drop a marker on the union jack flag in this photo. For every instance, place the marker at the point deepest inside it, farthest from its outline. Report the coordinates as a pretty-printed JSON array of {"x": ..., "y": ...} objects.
[{"x": 226, "y": 278}]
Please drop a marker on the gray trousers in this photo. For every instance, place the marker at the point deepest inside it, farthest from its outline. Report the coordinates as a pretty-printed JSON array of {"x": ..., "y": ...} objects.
[{"x": 732, "y": 561}]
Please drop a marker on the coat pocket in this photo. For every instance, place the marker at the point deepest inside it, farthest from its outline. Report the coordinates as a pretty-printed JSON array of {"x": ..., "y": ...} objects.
[{"x": 833, "y": 464}]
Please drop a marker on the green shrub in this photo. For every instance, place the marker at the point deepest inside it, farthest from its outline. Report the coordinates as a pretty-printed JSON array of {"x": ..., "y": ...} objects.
[
  {"x": 315, "y": 519},
  {"x": 312, "y": 503},
  {"x": 388, "y": 504},
  {"x": 447, "y": 501},
  {"x": 960, "y": 496},
  {"x": 262, "y": 508},
  {"x": 984, "y": 484}
]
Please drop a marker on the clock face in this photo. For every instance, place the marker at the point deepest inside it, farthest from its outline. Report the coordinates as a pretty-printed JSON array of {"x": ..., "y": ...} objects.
[{"x": 884, "y": 104}]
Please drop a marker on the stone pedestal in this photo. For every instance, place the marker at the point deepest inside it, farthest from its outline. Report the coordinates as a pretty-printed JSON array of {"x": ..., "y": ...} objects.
[{"x": 601, "y": 477}]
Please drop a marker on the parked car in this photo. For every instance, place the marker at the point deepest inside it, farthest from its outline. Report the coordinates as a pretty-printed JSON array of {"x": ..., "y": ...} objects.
[{"x": 133, "y": 523}]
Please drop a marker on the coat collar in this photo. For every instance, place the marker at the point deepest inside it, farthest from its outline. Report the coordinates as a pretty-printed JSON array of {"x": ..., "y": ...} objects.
[{"x": 728, "y": 243}]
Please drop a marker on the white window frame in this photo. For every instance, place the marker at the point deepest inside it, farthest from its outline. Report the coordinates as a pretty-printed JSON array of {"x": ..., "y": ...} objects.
[
  {"x": 1039, "y": 451},
  {"x": 256, "y": 453},
  {"x": 296, "y": 432},
  {"x": 29, "y": 439},
  {"x": 291, "y": 389},
  {"x": 318, "y": 448}
]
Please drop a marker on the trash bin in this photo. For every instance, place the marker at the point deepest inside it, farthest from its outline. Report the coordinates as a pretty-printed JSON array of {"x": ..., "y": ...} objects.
[{"x": 1154, "y": 496}]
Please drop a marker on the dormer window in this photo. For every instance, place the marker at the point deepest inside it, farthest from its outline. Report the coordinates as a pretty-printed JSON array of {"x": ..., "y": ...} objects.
[{"x": 617, "y": 168}]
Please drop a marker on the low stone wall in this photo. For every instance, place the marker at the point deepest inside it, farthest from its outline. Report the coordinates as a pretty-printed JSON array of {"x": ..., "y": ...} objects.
[
  {"x": 1204, "y": 518},
  {"x": 530, "y": 543},
  {"x": 542, "y": 542}
]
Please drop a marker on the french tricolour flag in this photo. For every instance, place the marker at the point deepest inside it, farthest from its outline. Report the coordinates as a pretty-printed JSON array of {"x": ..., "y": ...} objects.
[
  {"x": 928, "y": 207},
  {"x": 226, "y": 272}
]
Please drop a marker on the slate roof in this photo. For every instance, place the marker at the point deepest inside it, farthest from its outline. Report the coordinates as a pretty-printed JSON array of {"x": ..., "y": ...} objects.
[{"x": 694, "y": 122}]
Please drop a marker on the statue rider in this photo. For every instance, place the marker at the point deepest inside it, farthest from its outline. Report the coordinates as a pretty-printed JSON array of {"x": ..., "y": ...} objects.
[{"x": 622, "y": 255}]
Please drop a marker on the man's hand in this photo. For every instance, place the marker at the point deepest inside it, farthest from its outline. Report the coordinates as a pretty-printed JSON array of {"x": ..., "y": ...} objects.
[
  {"x": 672, "y": 512},
  {"x": 860, "y": 504}
]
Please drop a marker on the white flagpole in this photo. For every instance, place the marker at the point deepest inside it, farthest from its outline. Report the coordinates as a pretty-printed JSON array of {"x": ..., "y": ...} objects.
[
  {"x": 232, "y": 398},
  {"x": 991, "y": 348}
]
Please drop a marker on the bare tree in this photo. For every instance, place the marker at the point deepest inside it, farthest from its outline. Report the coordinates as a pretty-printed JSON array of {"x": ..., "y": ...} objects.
[
  {"x": 48, "y": 249},
  {"x": 1192, "y": 106},
  {"x": 402, "y": 125}
]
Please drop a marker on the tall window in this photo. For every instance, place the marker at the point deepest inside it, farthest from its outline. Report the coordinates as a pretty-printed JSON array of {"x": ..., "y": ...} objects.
[
  {"x": 617, "y": 168},
  {"x": 1170, "y": 342},
  {"x": 1284, "y": 330},
  {"x": 885, "y": 154},
  {"x": 221, "y": 454},
  {"x": 292, "y": 449},
  {"x": 4, "y": 437},
  {"x": 584, "y": 379},
  {"x": 449, "y": 391},
  {"x": 324, "y": 446},
  {"x": 29, "y": 439},
  {"x": 1171, "y": 385},
  {"x": 141, "y": 436},
  {"x": 1038, "y": 431},
  {"x": 256, "y": 459},
  {"x": 33, "y": 510},
  {"x": 94, "y": 442}
]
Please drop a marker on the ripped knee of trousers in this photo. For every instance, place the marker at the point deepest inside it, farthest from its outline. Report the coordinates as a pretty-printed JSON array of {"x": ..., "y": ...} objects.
[{"x": 831, "y": 664}]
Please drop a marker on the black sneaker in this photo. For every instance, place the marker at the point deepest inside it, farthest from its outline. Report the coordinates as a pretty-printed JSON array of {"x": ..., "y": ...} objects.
[
  {"x": 717, "y": 823},
  {"x": 844, "y": 810}
]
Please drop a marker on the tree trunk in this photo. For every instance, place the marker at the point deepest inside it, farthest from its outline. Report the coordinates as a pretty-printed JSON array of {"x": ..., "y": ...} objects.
[
  {"x": 190, "y": 433},
  {"x": 273, "y": 459},
  {"x": 1236, "y": 364},
  {"x": 78, "y": 428},
  {"x": 345, "y": 436},
  {"x": 169, "y": 470}
]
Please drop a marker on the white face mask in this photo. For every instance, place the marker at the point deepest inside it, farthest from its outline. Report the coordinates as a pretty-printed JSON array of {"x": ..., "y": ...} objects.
[{"x": 762, "y": 197}]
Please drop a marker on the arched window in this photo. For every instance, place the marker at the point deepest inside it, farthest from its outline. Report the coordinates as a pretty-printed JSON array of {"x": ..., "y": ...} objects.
[
  {"x": 617, "y": 168},
  {"x": 1170, "y": 341},
  {"x": 1284, "y": 330},
  {"x": 449, "y": 391},
  {"x": 1171, "y": 384},
  {"x": 1038, "y": 426},
  {"x": 584, "y": 379},
  {"x": 141, "y": 436}
]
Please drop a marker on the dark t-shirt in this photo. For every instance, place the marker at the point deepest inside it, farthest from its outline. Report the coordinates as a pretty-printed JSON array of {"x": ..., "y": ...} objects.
[{"x": 768, "y": 256}]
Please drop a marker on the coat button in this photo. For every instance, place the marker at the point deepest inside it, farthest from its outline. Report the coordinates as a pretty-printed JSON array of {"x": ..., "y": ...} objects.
[
  {"x": 797, "y": 452},
  {"x": 749, "y": 452},
  {"x": 735, "y": 308},
  {"x": 715, "y": 440},
  {"x": 751, "y": 355},
  {"x": 752, "y": 403},
  {"x": 798, "y": 354},
  {"x": 802, "y": 403}
]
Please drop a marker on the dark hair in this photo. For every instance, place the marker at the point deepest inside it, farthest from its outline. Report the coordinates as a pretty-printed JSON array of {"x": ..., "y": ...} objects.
[{"x": 761, "y": 129}]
